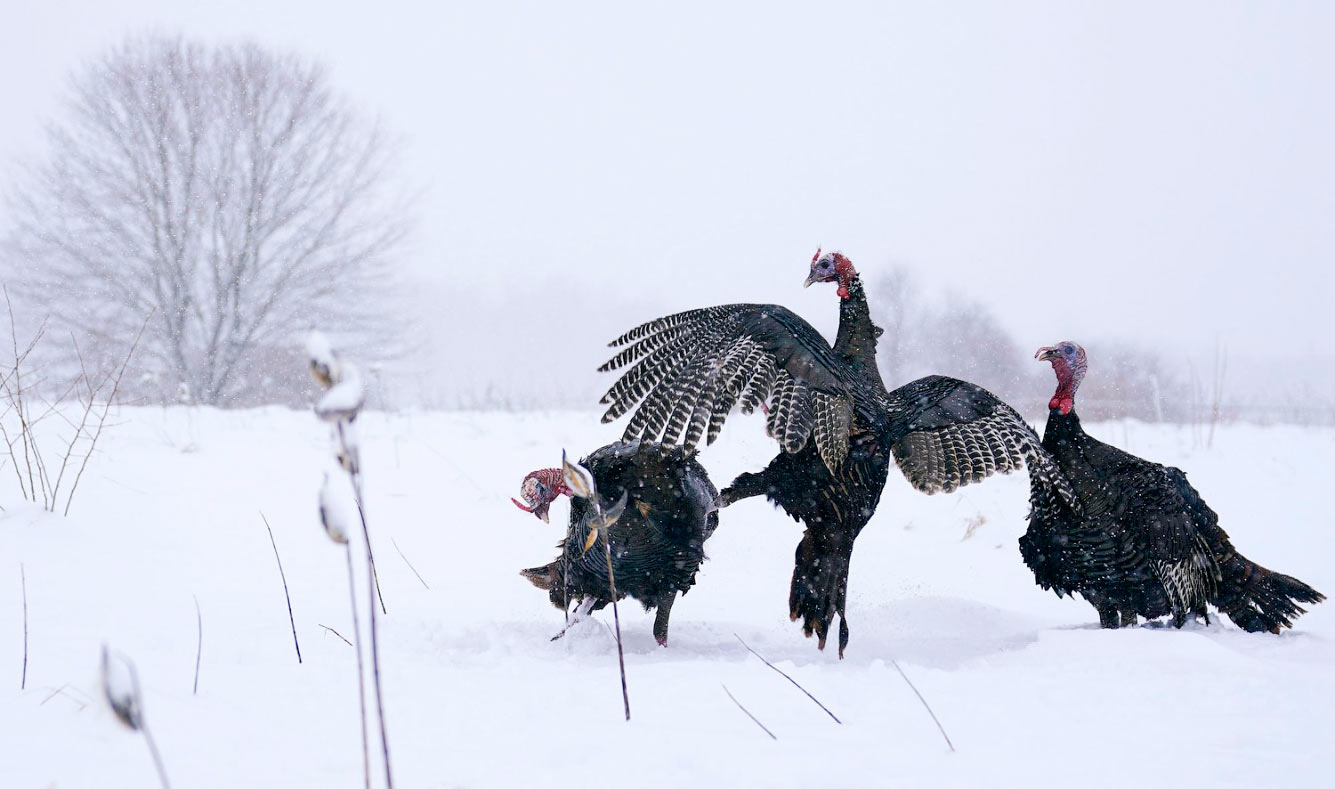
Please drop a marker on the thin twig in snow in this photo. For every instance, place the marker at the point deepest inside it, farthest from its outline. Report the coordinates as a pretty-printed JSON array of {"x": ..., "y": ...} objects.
[
  {"x": 102, "y": 418},
  {"x": 361, "y": 672},
  {"x": 375, "y": 639},
  {"x": 83, "y": 420},
  {"x": 199, "y": 643},
  {"x": 790, "y": 679},
  {"x": 281, "y": 574},
  {"x": 410, "y": 564},
  {"x": 925, "y": 705},
  {"x": 157, "y": 757},
  {"x": 16, "y": 397},
  {"x": 355, "y": 472},
  {"x": 748, "y": 713},
  {"x": 23, "y": 581},
  {"x": 375, "y": 576},
  {"x": 616, "y": 618},
  {"x": 62, "y": 691},
  {"x": 335, "y": 632}
]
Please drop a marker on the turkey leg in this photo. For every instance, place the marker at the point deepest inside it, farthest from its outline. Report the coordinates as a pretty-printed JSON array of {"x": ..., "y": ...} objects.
[
  {"x": 581, "y": 613},
  {"x": 820, "y": 583}
]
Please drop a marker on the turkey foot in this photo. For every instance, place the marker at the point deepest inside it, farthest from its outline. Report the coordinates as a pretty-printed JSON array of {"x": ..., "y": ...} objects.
[
  {"x": 581, "y": 613},
  {"x": 820, "y": 586},
  {"x": 661, "y": 619}
]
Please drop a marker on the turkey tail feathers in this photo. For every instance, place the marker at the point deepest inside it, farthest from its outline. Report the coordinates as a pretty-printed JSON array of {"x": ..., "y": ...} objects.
[
  {"x": 546, "y": 577},
  {"x": 1258, "y": 600}
]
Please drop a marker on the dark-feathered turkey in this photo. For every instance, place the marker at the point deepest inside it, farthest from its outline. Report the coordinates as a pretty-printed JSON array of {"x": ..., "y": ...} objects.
[
  {"x": 657, "y": 543},
  {"x": 827, "y": 407},
  {"x": 1144, "y": 543}
]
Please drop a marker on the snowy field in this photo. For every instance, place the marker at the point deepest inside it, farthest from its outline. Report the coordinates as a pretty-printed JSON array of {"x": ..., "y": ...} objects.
[{"x": 1029, "y": 689}]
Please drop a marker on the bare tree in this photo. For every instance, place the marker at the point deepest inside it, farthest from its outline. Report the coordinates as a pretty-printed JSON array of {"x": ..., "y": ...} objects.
[
  {"x": 949, "y": 334},
  {"x": 229, "y": 192},
  {"x": 955, "y": 337},
  {"x": 895, "y": 298},
  {"x": 965, "y": 339},
  {"x": 1134, "y": 381}
]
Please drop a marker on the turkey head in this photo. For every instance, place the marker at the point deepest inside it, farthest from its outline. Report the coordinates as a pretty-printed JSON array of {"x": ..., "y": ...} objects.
[
  {"x": 539, "y": 489},
  {"x": 1068, "y": 362},
  {"x": 831, "y": 267}
]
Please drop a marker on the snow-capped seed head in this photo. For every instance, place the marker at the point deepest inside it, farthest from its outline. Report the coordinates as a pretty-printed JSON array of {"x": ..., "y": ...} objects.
[
  {"x": 120, "y": 684},
  {"x": 334, "y": 512},
  {"x": 831, "y": 267},
  {"x": 539, "y": 489},
  {"x": 1068, "y": 362},
  {"x": 324, "y": 362},
  {"x": 577, "y": 478},
  {"x": 345, "y": 397}
]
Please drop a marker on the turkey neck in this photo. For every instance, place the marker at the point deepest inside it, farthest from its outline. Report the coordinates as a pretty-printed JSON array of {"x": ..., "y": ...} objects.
[
  {"x": 1067, "y": 442},
  {"x": 856, "y": 342}
]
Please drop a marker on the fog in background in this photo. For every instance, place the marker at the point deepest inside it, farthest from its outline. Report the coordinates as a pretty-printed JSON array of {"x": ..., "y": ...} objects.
[{"x": 1134, "y": 176}]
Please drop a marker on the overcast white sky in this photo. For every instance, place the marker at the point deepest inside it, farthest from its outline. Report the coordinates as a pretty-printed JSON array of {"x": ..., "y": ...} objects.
[{"x": 1163, "y": 172}]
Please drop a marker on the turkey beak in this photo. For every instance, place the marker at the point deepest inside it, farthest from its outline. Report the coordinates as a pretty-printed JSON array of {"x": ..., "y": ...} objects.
[
  {"x": 810, "y": 279},
  {"x": 539, "y": 510},
  {"x": 1045, "y": 354}
]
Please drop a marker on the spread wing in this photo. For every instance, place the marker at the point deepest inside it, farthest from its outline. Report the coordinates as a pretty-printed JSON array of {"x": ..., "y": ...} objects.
[
  {"x": 948, "y": 433},
  {"x": 688, "y": 370}
]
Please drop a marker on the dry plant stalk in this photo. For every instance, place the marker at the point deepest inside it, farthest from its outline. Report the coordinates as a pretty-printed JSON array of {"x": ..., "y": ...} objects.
[
  {"x": 199, "y": 643},
  {"x": 361, "y": 670},
  {"x": 748, "y": 713},
  {"x": 290, "y": 618},
  {"x": 790, "y": 679},
  {"x": 23, "y": 582},
  {"x": 329, "y": 629},
  {"x": 925, "y": 705},
  {"x": 581, "y": 483},
  {"x": 410, "y": 564},
  {"x": 341, "y": 404},
  {"x": 336, "y": 526}
]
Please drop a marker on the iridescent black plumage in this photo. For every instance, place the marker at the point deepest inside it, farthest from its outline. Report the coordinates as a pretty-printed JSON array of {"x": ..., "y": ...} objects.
[
  {"x": 829, "y": 410},
  {"x": 658, "y": 542},
  {"x": 1144, "y": 543}
]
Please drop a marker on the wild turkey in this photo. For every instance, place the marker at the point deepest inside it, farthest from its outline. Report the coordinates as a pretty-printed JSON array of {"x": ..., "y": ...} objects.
[
  {"x": 657, "y": 543},
  {"x": 830, "y": 412},
  {"x": 1145, "y": 544}
]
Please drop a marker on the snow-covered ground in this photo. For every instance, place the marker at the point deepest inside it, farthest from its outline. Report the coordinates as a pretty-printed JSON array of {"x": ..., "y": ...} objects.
[{"x": 1029, "y": 689}]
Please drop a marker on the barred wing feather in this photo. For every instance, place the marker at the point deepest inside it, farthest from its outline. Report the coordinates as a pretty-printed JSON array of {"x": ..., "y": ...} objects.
[
  {"x": 689, "y": 370},
  {"x": 951, "y": 433}
]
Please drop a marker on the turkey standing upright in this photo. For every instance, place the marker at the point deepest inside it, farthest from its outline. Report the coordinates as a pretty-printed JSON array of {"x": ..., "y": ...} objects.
[
  {"x": 657, "y": 543},
  {"x": 693, "y": 367},
  {"x": 1145, "y": 544}
]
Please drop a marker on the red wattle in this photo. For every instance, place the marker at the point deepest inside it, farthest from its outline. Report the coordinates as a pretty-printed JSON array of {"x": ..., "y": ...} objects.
[{"x": 843, "y": 268}]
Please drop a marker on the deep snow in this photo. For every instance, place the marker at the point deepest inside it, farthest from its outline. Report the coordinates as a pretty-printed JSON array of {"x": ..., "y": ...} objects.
[{"x": 1030, "y": 691}]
